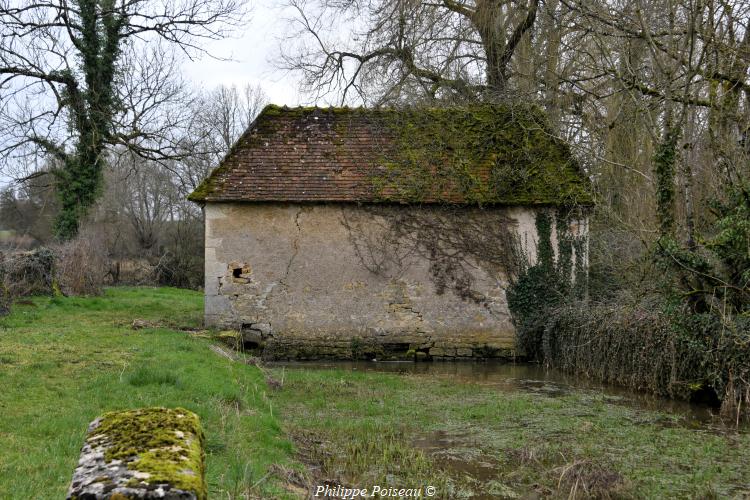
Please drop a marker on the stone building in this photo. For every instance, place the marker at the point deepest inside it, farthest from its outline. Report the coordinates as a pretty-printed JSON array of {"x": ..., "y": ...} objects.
[{"x": 385, "y": 234}]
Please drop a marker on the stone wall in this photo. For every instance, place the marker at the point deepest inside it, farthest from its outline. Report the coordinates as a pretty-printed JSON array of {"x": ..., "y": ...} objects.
[{"x": 308, "y": 281}]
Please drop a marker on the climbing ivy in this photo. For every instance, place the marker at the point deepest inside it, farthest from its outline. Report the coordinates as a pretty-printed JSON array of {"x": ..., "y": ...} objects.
[
  {"x": 731, "y": 246},
  {"x": 545, "y": 284},
  {"x": 716, "y": 274},
  {"x": 92, "y": 103},
  {"x": 664, "y": 161}
]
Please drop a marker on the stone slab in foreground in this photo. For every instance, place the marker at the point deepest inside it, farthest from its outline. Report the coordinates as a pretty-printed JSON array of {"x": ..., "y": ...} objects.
[{"x": 144, "y": 453}]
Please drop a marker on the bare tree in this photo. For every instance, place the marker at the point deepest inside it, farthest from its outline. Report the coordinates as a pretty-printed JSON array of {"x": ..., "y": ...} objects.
[
  {"x": 218, "y": 118},
  {"x": 409, "y": 49},
  {"x": 148, "y": 198},
  {"x": 29, "y": 209},
  {"x": 147, "y": 201},
  {"x": 81, "y": 76}
]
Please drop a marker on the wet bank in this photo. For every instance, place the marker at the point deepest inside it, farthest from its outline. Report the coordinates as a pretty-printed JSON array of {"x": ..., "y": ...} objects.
[
  {"x": 493, "y": 430},
  {"x": 535, "y": 379}
]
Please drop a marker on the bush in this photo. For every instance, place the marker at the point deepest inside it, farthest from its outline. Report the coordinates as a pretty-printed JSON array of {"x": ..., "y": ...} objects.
[
  {"x": 650, "y": 347},
  {"x": 626, "y": 345},
  {"x": 82, "y": 264},
  {"x": 78, "y": 267},
  {"x": 180, "y": 269},
  {"x": 4, "y": 292},
  {"x": 181, "y": 262},
  {"x": 30, "y": 273},
  {"x": 724, "y": 344},
  {"x": 24, "y": 274}
]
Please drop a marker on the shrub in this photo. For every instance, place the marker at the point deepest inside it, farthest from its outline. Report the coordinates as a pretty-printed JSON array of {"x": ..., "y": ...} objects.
[
  {"x": 724, "y": 345},
  {"x": 77, "y": 267},
  {"x": 5, "y": 299},
  {"x": 82, "y": 264},
  {"x": 30, "y": 273},
  {"x": 654, "y": 348},
  {"x": 181, "y": 262},
  {"x": 180, "y": 269},
  {"x": 629, "y": 345}
]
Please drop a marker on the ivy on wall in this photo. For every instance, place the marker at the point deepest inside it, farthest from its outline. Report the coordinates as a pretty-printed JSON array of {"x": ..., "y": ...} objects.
[{"x": 558, "y": 274}]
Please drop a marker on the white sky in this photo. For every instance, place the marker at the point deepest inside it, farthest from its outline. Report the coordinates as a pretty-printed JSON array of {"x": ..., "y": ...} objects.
[
  {"x": 251, "y": 51},
  {"x": 246, "y": 58}
]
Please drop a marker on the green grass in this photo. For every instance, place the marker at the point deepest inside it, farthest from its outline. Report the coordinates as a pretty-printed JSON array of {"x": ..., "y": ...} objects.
[
  {"x": 466, "y": 438},
  {"x": 64, "y": 361}
]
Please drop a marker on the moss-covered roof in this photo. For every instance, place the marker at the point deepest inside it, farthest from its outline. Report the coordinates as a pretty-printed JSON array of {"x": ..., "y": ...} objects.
[{"x": 482, "y": 154}]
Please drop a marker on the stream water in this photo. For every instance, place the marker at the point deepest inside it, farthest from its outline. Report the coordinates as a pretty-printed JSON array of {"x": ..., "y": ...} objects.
[{"x": 525, "y": 377}]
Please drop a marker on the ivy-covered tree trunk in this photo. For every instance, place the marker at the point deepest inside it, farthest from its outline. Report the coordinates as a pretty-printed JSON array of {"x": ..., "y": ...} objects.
[
  {"x": 79, "y": 178},
  {"x": 665, "y": 159},
  {"x": 79, "y": 183},
  {"x": 69, "y": 57}
]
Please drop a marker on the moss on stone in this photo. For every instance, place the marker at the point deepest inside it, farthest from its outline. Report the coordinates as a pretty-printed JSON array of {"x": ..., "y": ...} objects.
[
  {"x": 165, "y": 443},
  {"x": 206, "y": 187}
]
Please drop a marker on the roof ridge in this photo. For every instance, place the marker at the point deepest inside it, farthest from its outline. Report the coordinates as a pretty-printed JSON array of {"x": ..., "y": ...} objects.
[{"x": 407, "y": 108}]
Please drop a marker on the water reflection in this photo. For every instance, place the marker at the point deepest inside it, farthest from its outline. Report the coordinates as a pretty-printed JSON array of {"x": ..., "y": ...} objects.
[{"x": 530, "y": 378}]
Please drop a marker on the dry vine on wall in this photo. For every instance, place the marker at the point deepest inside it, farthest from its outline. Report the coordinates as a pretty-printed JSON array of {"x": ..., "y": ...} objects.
[{"x": 457, "y": 242}]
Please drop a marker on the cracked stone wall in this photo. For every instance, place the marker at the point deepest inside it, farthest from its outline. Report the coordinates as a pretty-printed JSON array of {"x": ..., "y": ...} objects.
[{"x": 289, "y": 277}]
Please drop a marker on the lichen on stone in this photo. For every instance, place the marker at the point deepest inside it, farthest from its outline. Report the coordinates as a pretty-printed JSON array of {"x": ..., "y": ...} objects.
[
  {"x": 163, "y": 442},
  {"x": 149, "y": 449}
]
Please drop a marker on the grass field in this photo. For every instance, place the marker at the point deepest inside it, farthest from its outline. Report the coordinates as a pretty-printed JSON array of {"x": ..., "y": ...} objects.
[{"x": 63, "y": 361}]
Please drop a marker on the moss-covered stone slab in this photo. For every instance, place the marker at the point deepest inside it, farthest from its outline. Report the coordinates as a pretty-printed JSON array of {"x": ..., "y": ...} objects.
[{"x": 143, "y": 453}]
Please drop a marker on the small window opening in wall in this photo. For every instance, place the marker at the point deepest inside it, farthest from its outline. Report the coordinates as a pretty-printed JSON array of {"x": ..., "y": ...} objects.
[
  {"x": 249, "y": 345},
  {"x": 236, "y": 272}
]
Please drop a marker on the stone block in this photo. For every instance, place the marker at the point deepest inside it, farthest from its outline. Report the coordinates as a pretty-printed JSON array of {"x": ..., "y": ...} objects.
[
  {"x": 144, "y": 453},
  {"x": 437, "y": 351}
]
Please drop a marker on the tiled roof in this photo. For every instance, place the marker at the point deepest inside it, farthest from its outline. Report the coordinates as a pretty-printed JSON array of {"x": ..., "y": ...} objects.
[{"x": 414, "y": 155}]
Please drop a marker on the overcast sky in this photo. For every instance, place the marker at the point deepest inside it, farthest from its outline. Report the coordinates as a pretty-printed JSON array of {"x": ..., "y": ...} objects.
[
  {"x": 247, "y": 58},
  {"x": 251, "y": 52}
]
